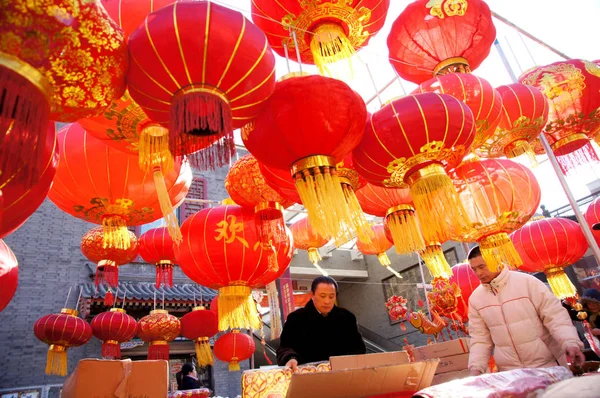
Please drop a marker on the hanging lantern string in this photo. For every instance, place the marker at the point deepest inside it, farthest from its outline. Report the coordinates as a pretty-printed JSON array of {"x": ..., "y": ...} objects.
[
  {"x": 163, "y": 300},
  {"x": 78, "y": 298},
  {"x": 287, "y": 57},
  {"x": 155, "y": 299},
  {"x": 297, "y": 49},
  {"x": 116, "y": 297},
  {"x": 124, "y": 295},
  {"x": 195, "y": 300},
  {"x": 372, "y": 82},
  {"x": 68, "y": 295},
  {"x": 201, "y": 302}
]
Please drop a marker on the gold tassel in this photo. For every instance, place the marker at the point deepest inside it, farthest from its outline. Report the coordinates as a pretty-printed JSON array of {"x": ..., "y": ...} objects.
[
  {"x": 166, "y": 207},
  {"x": 116, "y": 233},
  {"x": 154, "y": 149},
  {"x": 498, "y": 250},
  {"x": 384, "y": 259},
  {"x": 234, "y": 366},
  {"x": 434, "y": 259},
  {"x": 56, "y": 362},
  {"x": 313, "y": 255},
  {"x": 440, "y": 211},
  {"x": 237, "y": 309},
  {"x": 521, "y": 147},
  {"x": 597, "y": 138},
  {"x": 360, "y": 224},
  {"x": 273, "y": 264},
  {"x": 393, "y": 271},
  {"x": 406, "y": 235},
  {"x": 204, "y": 354},
  {"x": 329, "y": 45},
  {"x": 560, "y": 283}
]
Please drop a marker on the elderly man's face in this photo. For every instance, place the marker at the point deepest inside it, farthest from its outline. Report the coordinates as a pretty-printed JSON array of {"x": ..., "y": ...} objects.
[{"x": 324, "y": 298}]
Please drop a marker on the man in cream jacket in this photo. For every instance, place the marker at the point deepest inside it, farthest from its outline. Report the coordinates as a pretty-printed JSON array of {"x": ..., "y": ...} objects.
[{"x": 518, "y": 318}]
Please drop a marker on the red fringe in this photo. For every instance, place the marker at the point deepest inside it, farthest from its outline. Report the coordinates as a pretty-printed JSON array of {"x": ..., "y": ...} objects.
[
  {"x": 109, "y": 298},
  {"x": 570, "y": 162},
  {"x": 270, "y": 225},
  {"x": 164, "y": 275},
  {"x": 107, "y": 274},
  {"x": 111, "y": 351},
  {"x": 158, "y": 351},
  {"x": 26, "y": 108},
  {"x": 200, "y": 127}
]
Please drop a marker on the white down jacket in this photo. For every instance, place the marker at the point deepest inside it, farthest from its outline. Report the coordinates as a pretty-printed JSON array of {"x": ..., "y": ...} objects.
[{"x": 518, "y": 317}]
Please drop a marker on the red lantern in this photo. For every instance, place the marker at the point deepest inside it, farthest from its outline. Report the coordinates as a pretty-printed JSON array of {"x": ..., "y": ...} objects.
[
  {"x": 159, "y": 328},
  {"x": 105, "y": 186},
  {"x": 199, "y": 326},
  {"x": 61, "y": 331},
  {"x": 113, "y": 328},
  {"x": 409, "y": 142},
  {"x": 499, "y": 196},
  {"x": 221, "y": 250},
  {"x": 282, "y": 182},
  {"x": 156, "y": 247},
  {"x": 326, "y": 31},
  {"x": 9, "y": 275},
  {"x": 305, "y": 238},
  {"x": 592, "y": 217},
  {"x": 318, "y": 122},
  {"x": 234, "y": 347},
  {"x": 524, "y": 114},
  {"x": 19, "y": 199},
  {"x": 439, "y": 37},
  {"x": 464, "y": 277},
  {"x": 129, "y": 14},
  {"x": 573, "y": 91},
  {"x": 200, "y": 85},
  {"x": 378, "y": 247},
  {"x": 549, "y": 245}
]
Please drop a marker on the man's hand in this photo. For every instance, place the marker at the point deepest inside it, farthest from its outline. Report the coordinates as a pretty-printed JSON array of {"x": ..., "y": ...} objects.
[
  {"x": 575, "y": 355},
  {"x": 474, "y": 372},
  {"x": 292, "y": 364}
]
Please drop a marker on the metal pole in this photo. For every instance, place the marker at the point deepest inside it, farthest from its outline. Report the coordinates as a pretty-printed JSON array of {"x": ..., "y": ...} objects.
[
  {"x": 505, "y": 61},
  {"x": 424, "y": 283},
  {"x": 380, "y": 91},
  {"x": 374, "y": 85},
  {"x": 297, "y": 49},
  {"x": 287, "y": 57}
]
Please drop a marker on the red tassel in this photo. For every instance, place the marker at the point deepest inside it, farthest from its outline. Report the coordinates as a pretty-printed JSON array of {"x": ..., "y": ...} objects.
[
  {"x": 570, "y": 162},
  {"x": 270, "y": 225},
  {"x": 264, "y": 345},
  {"x": 158, "y": 350},
  {"x": 109, "y": 298},
  {"x": 164, "y": 275},
  {"x": 99, "y": 277},
  {"x": 111, "y": 275},
  {"x": 402, "y": 326},
  {"x": 111, "y": 350}
]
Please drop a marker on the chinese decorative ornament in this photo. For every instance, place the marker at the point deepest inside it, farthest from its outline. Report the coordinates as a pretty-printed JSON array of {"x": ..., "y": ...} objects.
[
  {"x": 100, "y": 184},
  {"x": 423, "y": 324},
  {"x": 396, "y": 306},
  {"x": 156, "y": 247},
  {"x": 281, "y": 181},
  {"x": 467, "y": 281},
  {"x": 305, "y": 238},
  {"x": 221, "y": 250},
  {"x": 411, "y": 142},
  {"x": 324, "y": 31},
  {"x": 204, "y": 84},
  {"x": 61, "y": 331},
  {"x": 549, "y": 245},
  {"x": 199, "y": 326},
  {"x": 9, "y": 275},
  {"x": 319, "y": 121},
  {"x": 113, "y": 328},
  {"x": 396, "y": 207},
  {"x": 378, "y": 246},
  {"x": 437, "y": 37},
  {"x": 592, "y": 217},
  {"x": 573, "y": 91},
  {"x": 524, "y": 114},
  {"x": 234, "y": 347},
  {"x": 59, "y": 60},
  {"x": 159, "y": 328},
  {"x": 444, "y": 298},
  {"x": 129, "y": 14},
  {"x": 19, "y": 199},
  {"x": 499, "y": 196}
]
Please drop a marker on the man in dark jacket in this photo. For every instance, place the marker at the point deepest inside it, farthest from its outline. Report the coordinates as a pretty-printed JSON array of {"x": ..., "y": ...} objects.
[{"x": 319, "y": 330}]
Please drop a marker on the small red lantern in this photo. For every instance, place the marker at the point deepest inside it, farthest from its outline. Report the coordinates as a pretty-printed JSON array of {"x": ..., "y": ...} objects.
[
  {"x": 156, "y": 247},
  {"x": 199, "y": 326},
  {"x": 9, "y": 275},
  {"x": 592, "y": 217},
  {"x": 305, "y": 238},
  {"x": 378, "y": 246},
  {"x": 466, "y": 280},
  {"x": 430, "y": 38},
  {"x": 234, "y": 347},
  {"x": 159, "y": 328},
  {"x": 61, "y": 331},
  {"x": 113, "y": 328}
]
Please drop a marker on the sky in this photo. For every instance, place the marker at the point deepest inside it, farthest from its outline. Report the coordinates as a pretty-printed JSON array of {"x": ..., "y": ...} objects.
[{"x": 570, "y": 27}]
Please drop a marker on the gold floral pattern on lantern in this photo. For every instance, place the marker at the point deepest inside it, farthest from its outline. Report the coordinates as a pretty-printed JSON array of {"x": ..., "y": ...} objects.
[{"x": 447, "y": 8}]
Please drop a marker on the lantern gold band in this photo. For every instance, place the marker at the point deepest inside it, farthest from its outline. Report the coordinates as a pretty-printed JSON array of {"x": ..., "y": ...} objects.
[
  {"x": 553, "y": 270},
  {"x": 432, "y": 244},
  {"x": 155, "y": 130},
  {"x": 121, "y": 310},
  {"x": 517, "y": 148},
  {"x": 159, "y": 342},
  {"x": 449, "y": 62},
  {"x": 399, "y": 208},
  {"x": 268, "y": 206},
  {"x": 427, "y": 171},
  {"x": 198, "y": 308},
  {"x": 201, "y": 339},
  {"x": 153, "y": 312},
  {"x": 115, "y": 342},
  {"x": 567, "y": 140},
  {"x": 28, "y": 72},
  {"x": 164, "y": 262},
  {"x": 235, "y": 331},
  {"x": 69, "y": 311},
  {"x": 310, "y": 162},
  {"x": 292, "y": 75},
  {"x": 57, "y": 348},
  {"x": 345, "y": 180},
  {"x": 106, "y": 263},
  {"x": 201, "y": 88}
]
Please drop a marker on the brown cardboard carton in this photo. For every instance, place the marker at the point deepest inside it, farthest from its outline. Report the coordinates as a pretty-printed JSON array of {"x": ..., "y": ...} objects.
[
  {"x": 368, "y": 360},
  {"x": 453, "y": 363},
  {"x": 446, "y": 377},
  {"x": 95, "y": 378},
  {"x": 441, "y": 350}
]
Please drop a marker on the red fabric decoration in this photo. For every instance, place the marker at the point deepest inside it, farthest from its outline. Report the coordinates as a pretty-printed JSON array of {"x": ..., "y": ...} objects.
[
  {"x": 9, "y": 275},
  {"x": 464, "y": 277},
  {"x": 199, "y": 326},
  {"x": 61, "y": 331},
  {"x": 202, "y": 70},
  {"x": 156, "y": 247},
  {"x": 234, "y": 347},
  {"x": 159, "y": 328},
  {"x": 437, "y": 37},
  {"x": 113, "y": 328},
  {"x": 129, "y": 14}
]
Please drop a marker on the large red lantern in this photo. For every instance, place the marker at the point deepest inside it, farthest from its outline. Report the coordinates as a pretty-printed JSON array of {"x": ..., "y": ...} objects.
[
  {"x": 549, "y": 245},
  {"x": 464, "y": 277},
  {"x": 200, "y": 85},
  {"x": 129, "y": 14},
  {"x": 199, "y": 326},
  {"x": 159, "y": 328},
  {"x": 305, "y": 238},
  {"x": 113, "y": 328},
  {"x": 103, "y": 185},
  {"x": 61, "y": 331},
  {"x": 19, "y": 199},
  {"x": 592, "y": 217},
  {"x": 378, "y": 247},
  {"x": 234, "y": 347},
  {"x": 9, "y": 275},
  {"x": 411, "y": 142},
  {"x": 221, "y": 250},
  {"x": 573, "y": 91},
  {"x": 437, "y": 37},
  {"x": 498, "y": 196},
  {"x": 524, "y": 114},
  {"x": 281, "y": 181},
  {"x": 477, "y": 93},
  {"x": 156, "y": 247},
  {"x": 318, "y": 121},
  {"x": 326, "y": 31}
]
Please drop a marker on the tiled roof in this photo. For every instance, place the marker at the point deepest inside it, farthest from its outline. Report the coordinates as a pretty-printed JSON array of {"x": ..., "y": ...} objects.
[{"x": 145, "y": 291}]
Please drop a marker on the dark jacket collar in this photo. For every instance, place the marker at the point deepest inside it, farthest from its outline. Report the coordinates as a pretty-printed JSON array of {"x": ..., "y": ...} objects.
[{"x": 312, "y": 310}]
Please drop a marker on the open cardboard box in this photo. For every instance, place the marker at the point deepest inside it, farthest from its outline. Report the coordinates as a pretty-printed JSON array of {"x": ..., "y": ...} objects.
[
  {"x": 368, "y": 360},
  {"x": 441, "y": 350}
]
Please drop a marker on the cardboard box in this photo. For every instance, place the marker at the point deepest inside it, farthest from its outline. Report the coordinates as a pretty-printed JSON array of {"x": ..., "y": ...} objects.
[
  {"x": 446, "y": 377},
  {"x": 359, "y": 383},
  {"x": 453, "y": 363},
  {"x": 441, "y": 350},
  {"x": 368, "y": 360},
  {"x": 96, "y": 378},
  {"x": 274, "y": 382}
]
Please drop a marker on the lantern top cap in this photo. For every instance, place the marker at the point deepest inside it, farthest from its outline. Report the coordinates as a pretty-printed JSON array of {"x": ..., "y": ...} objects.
[
  {"x": 198, "y": 308},
  {"x": 121, "y": 310},
  {"x": 292, "y": 75},
  {"x": 69, "y": 311},
  {"x": 154, "y": 312}
]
